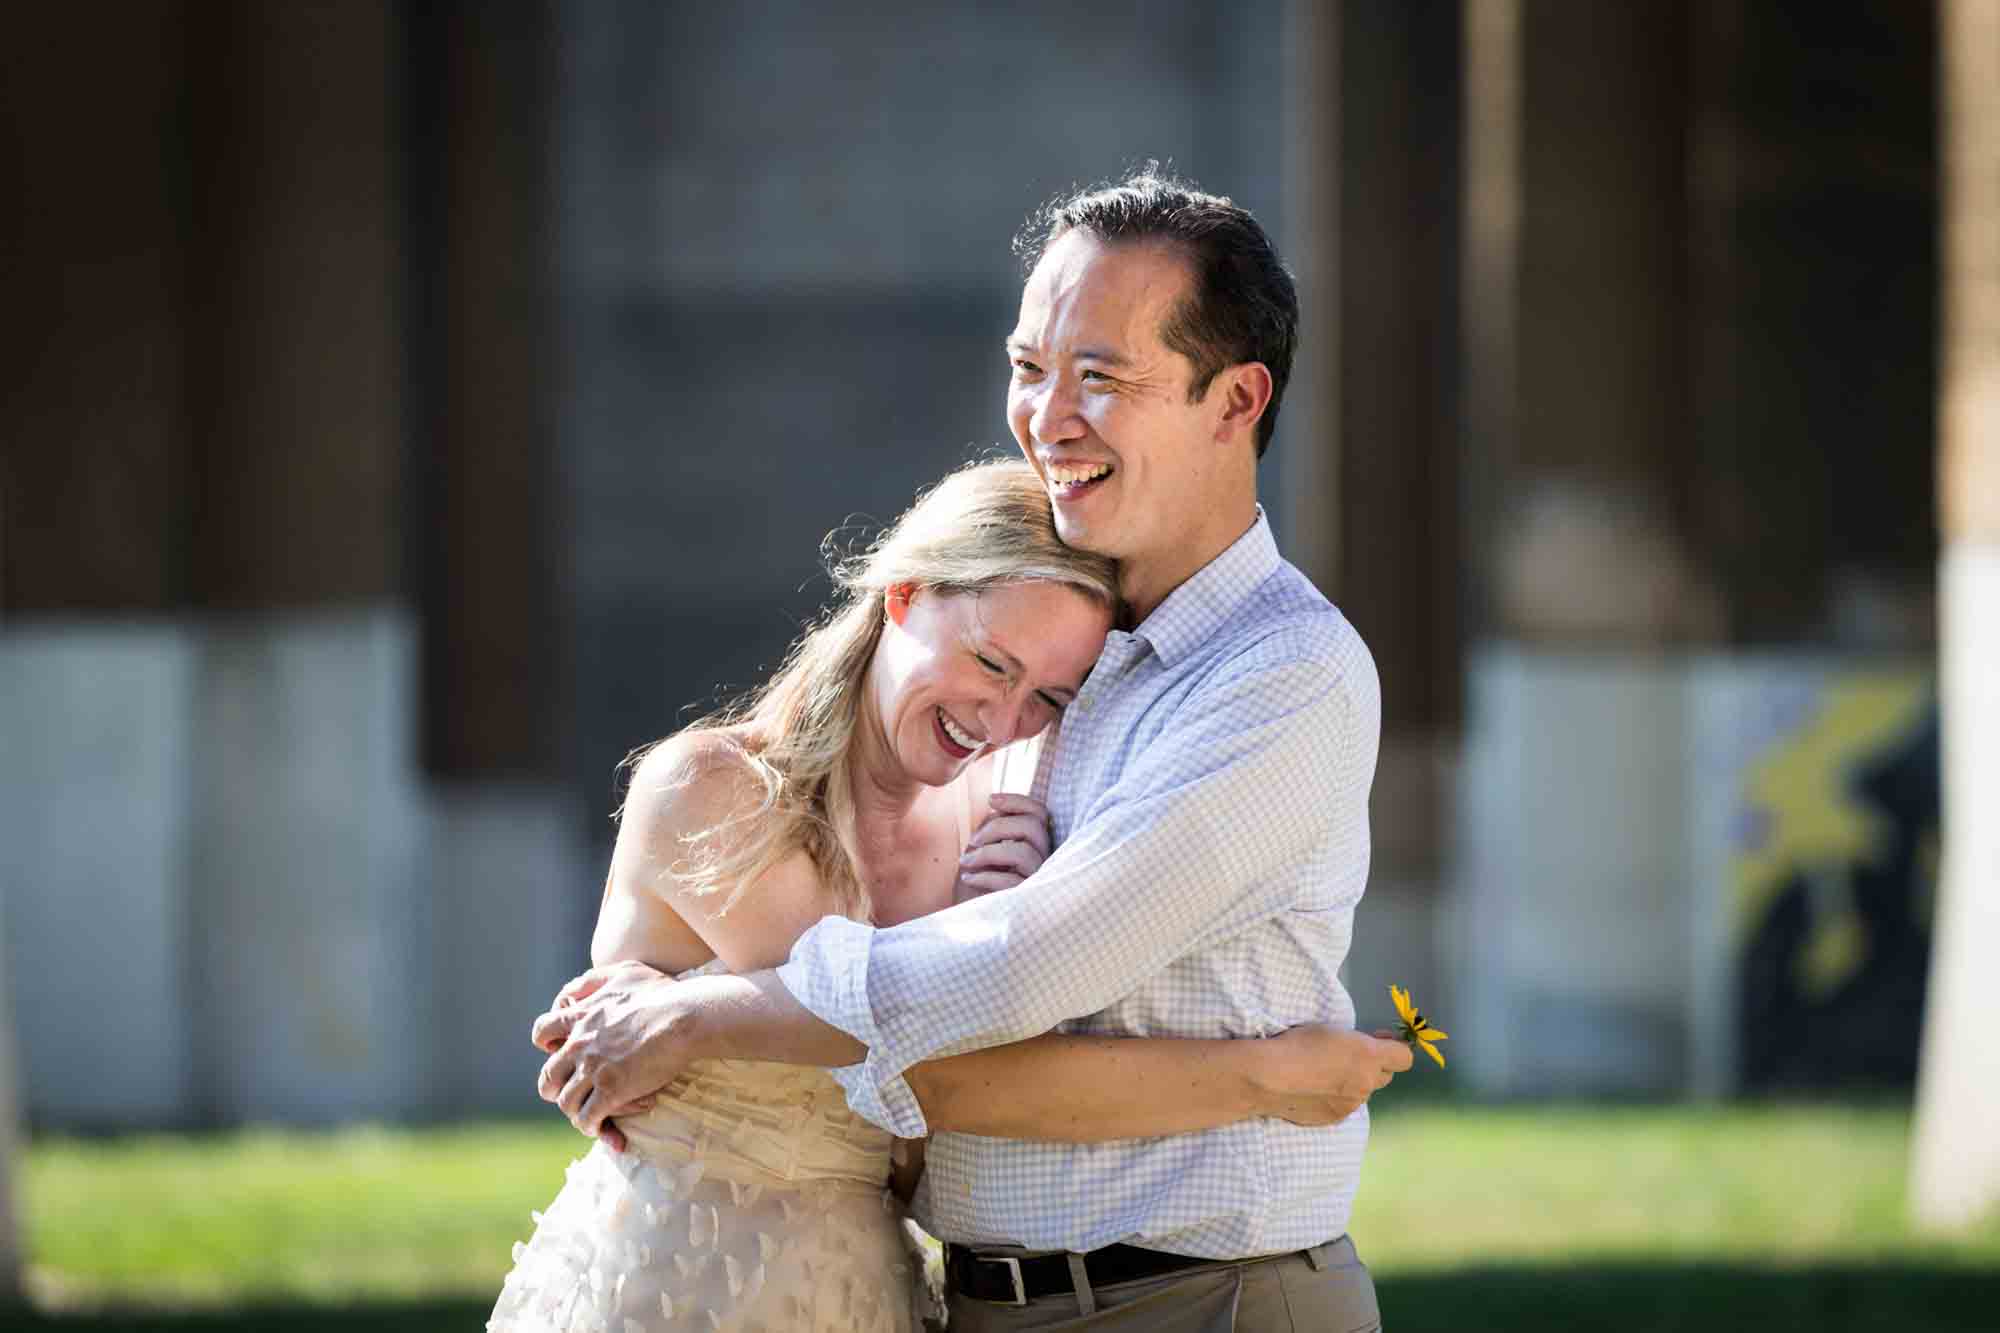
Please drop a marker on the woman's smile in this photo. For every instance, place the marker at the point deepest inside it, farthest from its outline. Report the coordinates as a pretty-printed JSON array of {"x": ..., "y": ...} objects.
[{"x": 958, "y": 742}]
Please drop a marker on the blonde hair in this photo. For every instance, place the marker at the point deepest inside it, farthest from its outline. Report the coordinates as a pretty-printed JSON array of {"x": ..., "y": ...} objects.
[{"x": 985, "y": 526}]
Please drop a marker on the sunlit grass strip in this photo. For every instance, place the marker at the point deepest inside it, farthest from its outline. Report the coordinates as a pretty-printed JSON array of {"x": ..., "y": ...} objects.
[
  {"x": 1445, "y": 1186},
  {"x": 357, "y": 1213},
  {"x": 371, "y": 1214}
]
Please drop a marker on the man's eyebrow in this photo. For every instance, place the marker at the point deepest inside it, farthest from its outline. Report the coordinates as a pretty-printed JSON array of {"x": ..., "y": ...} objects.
[{"x": 1103, "y": 356}]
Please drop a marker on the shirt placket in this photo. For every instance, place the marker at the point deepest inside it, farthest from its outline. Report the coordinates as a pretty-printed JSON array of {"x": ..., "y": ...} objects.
[{"x": 1085, "y": 721}]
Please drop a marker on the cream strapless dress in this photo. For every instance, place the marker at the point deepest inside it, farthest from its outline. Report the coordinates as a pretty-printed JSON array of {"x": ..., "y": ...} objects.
[{"x": 750, "y": 1200}]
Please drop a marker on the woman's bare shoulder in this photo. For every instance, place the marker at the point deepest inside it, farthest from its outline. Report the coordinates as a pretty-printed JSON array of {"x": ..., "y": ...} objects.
[
  {"x": 693, "y": 780},
  {"x": 695, "y": 795}
]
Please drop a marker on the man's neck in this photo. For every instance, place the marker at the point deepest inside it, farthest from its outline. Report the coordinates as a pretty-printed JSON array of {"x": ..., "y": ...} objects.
[{"x": 1144, "y": 581}]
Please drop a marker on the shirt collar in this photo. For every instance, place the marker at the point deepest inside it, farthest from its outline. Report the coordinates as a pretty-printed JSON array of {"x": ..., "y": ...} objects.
[{"x": 1211, "y": 595}]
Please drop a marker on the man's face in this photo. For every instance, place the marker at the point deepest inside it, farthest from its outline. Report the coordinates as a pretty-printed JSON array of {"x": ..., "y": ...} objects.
[{"x": 1099, "y": 404}]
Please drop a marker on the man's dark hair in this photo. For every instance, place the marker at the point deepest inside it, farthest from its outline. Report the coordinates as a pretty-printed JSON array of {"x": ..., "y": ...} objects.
[{"x": 1241, "y": 306}]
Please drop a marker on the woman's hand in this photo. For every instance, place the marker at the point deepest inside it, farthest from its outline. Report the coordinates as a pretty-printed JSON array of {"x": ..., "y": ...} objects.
[
  {"x": 1317, "y": 1074},
  {"x": 1009, "y": 845}
]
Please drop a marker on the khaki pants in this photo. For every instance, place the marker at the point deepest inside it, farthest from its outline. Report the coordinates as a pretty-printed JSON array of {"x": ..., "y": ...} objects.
[{"x": 1327, "y": 1290}]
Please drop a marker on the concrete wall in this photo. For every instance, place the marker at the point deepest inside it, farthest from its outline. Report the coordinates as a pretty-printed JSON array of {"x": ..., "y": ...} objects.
[
  {"x": 1570, "y": 931},
  {"x": 96, "y": 767},
  {"x": 228, "y": 895}
]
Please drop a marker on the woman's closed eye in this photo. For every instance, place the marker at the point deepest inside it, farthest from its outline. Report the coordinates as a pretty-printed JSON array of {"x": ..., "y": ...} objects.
[{"x": 989, "y": 664}]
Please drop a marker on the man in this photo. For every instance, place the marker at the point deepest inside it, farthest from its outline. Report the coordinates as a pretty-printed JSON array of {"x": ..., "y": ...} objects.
[{"x": 1208, "y": 793}]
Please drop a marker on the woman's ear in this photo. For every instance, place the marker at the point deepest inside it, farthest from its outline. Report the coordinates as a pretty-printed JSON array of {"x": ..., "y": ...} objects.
[{"x": 896, "y": 599}]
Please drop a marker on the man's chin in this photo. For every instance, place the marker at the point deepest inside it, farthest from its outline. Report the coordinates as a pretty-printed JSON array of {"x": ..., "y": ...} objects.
[{"x": 1076, "y": 533}]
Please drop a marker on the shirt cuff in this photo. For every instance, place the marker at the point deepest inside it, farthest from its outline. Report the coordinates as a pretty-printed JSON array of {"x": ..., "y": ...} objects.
[
  {"x": 827, "y": 973},
  {"x": 885, "y": 1101}
]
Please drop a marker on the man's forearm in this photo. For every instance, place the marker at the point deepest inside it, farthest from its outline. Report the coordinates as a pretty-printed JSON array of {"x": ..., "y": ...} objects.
[
  {"x": 1089, "y": 1089},
  {"x": 1077, "y": 1089},
  {"x": 753, "y": 1017}
]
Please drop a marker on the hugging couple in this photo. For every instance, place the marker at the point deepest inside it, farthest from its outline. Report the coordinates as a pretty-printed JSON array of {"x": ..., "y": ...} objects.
[{"x": 972, "y": 906}]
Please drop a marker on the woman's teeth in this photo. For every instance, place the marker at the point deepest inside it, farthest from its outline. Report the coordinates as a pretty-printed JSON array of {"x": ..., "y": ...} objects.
[
  {"x": 959, "y": 736},
  {"x": 1068, "y": 474}
]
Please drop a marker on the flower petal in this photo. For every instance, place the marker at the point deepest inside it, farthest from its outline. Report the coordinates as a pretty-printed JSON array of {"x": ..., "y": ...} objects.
[
  {"x": 1403, "y": 1007},
  {"x": 1434, "y": 1034},
  {"x": 1432, "y": 1051}
]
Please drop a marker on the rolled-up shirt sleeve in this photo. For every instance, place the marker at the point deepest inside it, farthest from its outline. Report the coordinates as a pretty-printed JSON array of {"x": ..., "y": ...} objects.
[{"x": 1266, "y": 756}]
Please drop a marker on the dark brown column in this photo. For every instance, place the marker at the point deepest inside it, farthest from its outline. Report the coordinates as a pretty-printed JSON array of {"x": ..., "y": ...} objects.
[
  {"x": 1812, "y": 314},
  {"x": 1398, "y": 200},
  {"x": 93, "y": 447},
  {"x": 1371, "y": 473},
  {"x": 1576, "y": 322},
  {"x": 295, "y": 389},
  {"x": 485, "y": 505}
]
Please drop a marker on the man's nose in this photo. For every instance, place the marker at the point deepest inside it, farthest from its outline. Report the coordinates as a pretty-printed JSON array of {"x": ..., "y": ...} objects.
[{"x": 1055, "y": 417}]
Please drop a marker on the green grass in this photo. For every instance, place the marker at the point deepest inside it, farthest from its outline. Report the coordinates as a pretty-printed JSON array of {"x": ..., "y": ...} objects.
[
  {"x": 261, "y": 1215},
  {"x": 1446, "y": 1186},
  {"x": 1500, "y": 1218}
]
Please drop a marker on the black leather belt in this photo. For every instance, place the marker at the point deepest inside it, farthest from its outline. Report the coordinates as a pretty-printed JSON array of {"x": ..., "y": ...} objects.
[{"x": 1012, "y": 1281}]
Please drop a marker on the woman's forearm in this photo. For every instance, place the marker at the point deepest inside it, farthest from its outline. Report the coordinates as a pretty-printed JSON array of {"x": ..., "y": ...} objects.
[{"x": 1076, "y": 1089}]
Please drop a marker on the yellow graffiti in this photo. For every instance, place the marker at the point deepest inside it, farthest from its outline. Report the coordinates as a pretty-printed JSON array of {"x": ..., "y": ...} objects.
[{"x": 1813, "y": 824}]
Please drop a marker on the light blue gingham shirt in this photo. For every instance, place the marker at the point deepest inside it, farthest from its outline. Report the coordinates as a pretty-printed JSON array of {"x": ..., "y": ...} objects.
[{"x": 1209, "y": 797}]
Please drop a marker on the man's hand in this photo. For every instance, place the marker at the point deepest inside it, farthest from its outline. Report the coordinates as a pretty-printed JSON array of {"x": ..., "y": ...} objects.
[
  {"x": 1009, "y": 845},
  {"x": 616, "y": 1037},
  {"x": 1317, "y": 1074}
]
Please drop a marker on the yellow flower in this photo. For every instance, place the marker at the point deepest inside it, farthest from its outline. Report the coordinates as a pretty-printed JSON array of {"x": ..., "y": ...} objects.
[{"x": 1416, "y": 1028}]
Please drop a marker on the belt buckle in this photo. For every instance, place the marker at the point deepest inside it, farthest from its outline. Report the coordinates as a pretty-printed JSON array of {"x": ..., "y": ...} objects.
[{"x": 1013, "y": 1271}]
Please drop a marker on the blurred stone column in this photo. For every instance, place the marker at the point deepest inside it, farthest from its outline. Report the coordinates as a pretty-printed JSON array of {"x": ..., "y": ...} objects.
[
  {"x": 1577, "y": 323},
  {"x": 1572, "y": 875},
  {"x": 1956, "y": 1166},
  {"x": 307, "y": 921}
]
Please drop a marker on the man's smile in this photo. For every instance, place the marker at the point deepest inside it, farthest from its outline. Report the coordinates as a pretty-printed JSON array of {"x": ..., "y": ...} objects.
[{"x": 1068, "y": 481}]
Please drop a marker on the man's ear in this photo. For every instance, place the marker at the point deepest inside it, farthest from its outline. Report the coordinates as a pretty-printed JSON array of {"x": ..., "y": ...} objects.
[
  {"x": 896, "y": 599},
  {"x": 1246, "y": 392}
]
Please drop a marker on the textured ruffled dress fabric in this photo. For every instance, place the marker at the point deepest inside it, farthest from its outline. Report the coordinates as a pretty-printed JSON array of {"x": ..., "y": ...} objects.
[{"x": 750, "y": 1200}]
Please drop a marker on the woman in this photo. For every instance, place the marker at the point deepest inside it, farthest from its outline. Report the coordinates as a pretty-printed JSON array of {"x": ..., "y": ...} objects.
[{"x": 750, "y": 1197}]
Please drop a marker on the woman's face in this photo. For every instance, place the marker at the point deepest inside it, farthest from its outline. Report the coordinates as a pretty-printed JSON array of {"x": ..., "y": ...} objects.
[{"x": 957, "y": 674}]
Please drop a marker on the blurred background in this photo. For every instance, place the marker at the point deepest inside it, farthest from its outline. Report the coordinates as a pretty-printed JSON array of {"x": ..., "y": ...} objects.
[{"x": 411, "y": 408}]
